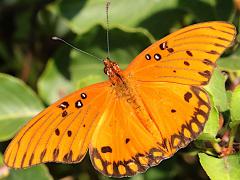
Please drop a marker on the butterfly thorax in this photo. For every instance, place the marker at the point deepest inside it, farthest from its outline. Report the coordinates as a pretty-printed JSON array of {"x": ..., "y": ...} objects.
[
  {"x": 119, "y": 81},
  {"x": 113, "y": 72}
]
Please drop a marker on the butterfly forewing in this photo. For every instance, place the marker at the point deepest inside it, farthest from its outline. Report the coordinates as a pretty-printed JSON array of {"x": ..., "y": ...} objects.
[
  {"x": 186, "y": 56},
  {"x": 60, "y": 133}
]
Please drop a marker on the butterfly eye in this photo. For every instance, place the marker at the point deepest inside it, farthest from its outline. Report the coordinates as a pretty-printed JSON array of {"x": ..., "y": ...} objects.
[{"x": 105, "y": 70}]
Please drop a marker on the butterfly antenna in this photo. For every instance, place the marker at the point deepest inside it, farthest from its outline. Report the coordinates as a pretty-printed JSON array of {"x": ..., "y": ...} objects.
[
  {"x": 107, "y": 18},
  {"x": 84, "y": 52}
]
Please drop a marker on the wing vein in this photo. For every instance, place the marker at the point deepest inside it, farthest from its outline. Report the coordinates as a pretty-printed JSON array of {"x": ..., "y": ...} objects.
[
  {"x": 171, "y": 81},
  {"x": 203, "y": 27},
  {"x": 195, "y": 42},
  {"x": 82, "y": 121},
  {"x": 30, "y": 138},
  {"x": 202, "y": 35}
]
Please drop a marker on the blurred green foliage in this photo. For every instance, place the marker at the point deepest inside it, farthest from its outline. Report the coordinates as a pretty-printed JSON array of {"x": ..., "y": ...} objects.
[{"x": 36, "y": 71}]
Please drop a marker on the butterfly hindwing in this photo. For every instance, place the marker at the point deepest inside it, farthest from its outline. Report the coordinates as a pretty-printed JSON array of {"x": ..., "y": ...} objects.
[
  {"x": 139, "y": 132},
  {"x": 179, "y": 111},
  {"x": 186, "y": 56},
  {"x": 60, "y": 133}
]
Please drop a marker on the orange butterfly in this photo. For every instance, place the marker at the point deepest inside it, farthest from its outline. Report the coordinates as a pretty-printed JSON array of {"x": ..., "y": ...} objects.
[{"x": 137, "y": 118}]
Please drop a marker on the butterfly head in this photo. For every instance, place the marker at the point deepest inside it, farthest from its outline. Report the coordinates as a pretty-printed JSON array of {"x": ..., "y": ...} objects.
[{"x": 112, "y": 70}]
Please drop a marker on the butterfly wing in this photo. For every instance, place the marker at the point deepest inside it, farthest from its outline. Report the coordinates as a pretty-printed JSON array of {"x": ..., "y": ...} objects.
[
  {"x": 137, "y": 133},
  {"x": 186, "y": 56},
  {"x": 60, "y": 133}
]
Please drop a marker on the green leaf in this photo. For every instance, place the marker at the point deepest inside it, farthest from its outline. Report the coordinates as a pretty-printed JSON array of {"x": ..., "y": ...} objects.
[
  {"x": 137, "y": 177},
  {"x": 4, "y": 53},
  {"x": 211, "y": 127},
  {"x": 54, "y": 84},
  {"x": 230, "y": 63},
  {"x": 39, "y": 172},
  {"x": 235, "y": 107},
  {"x": 229, "y": 97},
  {"x": 18, "y": 104},
  {"x": 23, "y": 31},
  {"x": 87, "y": 14},
  {"x": 224, "y": 13},
  {"x": 197, "y": 8},
  {"x": 226, "y": 168},
  {"x": 52, "y": 24},
  {"x": 175, "y": 18},
  {"x": 1, "y": 160},
  {"x": 216, "y": 88}
]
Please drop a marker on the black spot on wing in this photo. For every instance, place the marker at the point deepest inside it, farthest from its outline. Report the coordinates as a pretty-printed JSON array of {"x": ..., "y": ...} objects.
[
  {"x": 57, "y": 132},
  {"x": 171, "y": 50},
  {"x": 208, "y": 62},
  {"x": 78, "y": 104},
  {"x": 186, "y": 63},
  {"x": 163, "y": 46},
  {"x": 148, "y": 57},
  {"x": 68, "y": 157},
  {"x": 64, "y": 113},
  {"x": 157, "y": 57},
  {"x": 187, "y": 96},
  {"x": 206, "y": 74},
  {"x": 213, "y": 52},
  {"x": 55, "y": 154},
  {"x": 189, "y": 53},
  {"x": 83, "y": 95},
  {"x": 31, "y": 159},
  {"x": 69, "y": 133},
  {"x": 106, "y": 149},
  {"x": 42, "y": 154},
  {"x": 63, "y": 105}
]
